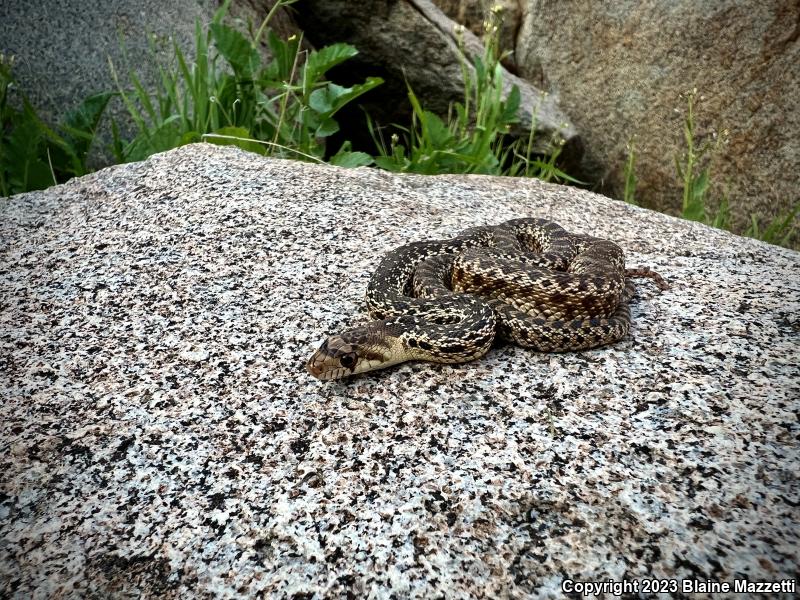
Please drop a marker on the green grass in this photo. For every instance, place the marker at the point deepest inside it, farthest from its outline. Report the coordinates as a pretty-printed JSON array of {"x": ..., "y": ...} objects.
[
  {"x": 694, "y": 171},
  {"x": 35, "y": 155},
  {"x": 284, "y": 108},
  {"x": 629, "y": 195},
  {"x": 287, "y": 108},
  {"x": 693, "y": 165},
  {"x": 474, "y": 136},
  {"x": 778, "y": 231}
]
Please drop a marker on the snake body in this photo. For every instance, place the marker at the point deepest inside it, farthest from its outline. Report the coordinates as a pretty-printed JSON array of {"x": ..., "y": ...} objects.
[{"x": 528, "y": 281}]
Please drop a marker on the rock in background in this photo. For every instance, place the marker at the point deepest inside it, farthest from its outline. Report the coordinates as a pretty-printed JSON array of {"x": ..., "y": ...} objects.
[
  {"x": 414, "y": 41},
  {"x": 62, "y": 49},
  {"x": 614, "y": 72},
  {"x": 620, "y": 67}
]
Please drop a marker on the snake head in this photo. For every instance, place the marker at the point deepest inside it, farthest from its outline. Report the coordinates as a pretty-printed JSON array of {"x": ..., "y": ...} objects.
[{"x": 355, "y": 351}]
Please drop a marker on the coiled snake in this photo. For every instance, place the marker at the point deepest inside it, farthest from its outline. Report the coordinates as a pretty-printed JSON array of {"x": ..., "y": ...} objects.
[{"x": 527, "y": 280}]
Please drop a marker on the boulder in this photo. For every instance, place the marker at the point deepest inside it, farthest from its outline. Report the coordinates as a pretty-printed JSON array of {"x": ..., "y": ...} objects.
[
  {"x": 619, "y": 70},
  {"x": 160, "y": 436},
  {"x": 414, "y": 41}
]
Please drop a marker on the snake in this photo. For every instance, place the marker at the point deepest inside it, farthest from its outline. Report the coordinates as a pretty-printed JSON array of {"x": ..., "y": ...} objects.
[{"x": 527, "y": 281}]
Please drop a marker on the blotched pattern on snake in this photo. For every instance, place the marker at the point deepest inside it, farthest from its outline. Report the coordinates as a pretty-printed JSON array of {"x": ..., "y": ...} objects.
[{"x": 528, "y": 281}]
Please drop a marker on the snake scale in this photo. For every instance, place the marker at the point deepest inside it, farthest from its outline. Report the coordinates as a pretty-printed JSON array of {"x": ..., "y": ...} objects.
[{"x": 528, "y": 281}]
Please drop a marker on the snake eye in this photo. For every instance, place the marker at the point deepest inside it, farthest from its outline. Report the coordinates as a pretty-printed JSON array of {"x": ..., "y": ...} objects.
[{"x": 348, "y": 361}]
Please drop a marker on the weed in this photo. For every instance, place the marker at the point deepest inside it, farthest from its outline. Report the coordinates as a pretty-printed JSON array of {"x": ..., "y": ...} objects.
[
  {"x": 526, "y": 163},
  {"x": 473, "y": 137},
  {"x": 629, "y": 195},
  {"x": 35, "y": 155},
  {"x": 722, "y": 218},
  {"x": 779, "y": 229},
  {"x": 283, "y": 108},
  {"x": 694, "y": 175},
  {"x": 696, "y": 180}
]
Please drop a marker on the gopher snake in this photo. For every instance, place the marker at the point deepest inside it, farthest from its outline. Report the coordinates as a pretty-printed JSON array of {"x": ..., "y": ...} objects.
[{"x": 527, "y": 280}]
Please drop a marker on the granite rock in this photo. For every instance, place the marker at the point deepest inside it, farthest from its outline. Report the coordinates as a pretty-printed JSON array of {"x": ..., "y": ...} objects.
[
  {"x": 622, "y": 70},
  {"x": 159, "y": 436}
]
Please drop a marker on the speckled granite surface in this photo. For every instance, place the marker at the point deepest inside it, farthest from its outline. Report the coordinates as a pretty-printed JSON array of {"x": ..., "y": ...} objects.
[{"x": 160, "y": 438}]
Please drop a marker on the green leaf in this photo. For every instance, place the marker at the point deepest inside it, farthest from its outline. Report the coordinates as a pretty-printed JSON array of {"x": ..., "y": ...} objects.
[
  {"x": 630, "y": 175},
  {"x": 237, "y": 50},
  {"x": 221, "y": 12},
  {"x": 116, "y": 143},
  {"x": 80, "y": 125},
  {"x": 700, "y": 186},
  {"x": 480, "y": 69},
  {"x": 284, "y": 53},
  {"x": 190, "y": 137},
  {"x": 435, "y": 131},
  {"x": 779, "y": 229},
  {"x": 327, "y": 127},
  {"x": 165, "y": 137},
  {"x": 59, "y": 156},
  {"x": 35, "y": 175},
  {"x": 695, "y": 208},
  {"x": 23, "y": 151},
  {"x": 752, "y": 229},
  {"x": 309, "y": 119},
  {"x": 722, "y": 218},
  {"x": 462, "y": 118},
  {"x": 143, "y": 97},
  {"x": 321, "y": 99},
  {"x": 351, "y": 159},
  {"x": 87, "y": 115},
  {"x": 511, "y": 107},
  {"x": 321, "y": 61},
  {"x": 390, "y": 163},
  {"x": 331, "y": 98}
]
